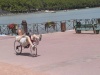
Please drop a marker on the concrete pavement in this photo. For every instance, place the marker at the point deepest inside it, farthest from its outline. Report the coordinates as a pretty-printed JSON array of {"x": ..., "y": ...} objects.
[{"x": 60, "y": 53}]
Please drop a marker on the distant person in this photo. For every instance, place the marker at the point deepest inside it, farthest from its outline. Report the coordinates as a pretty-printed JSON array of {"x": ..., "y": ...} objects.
[{"x": 25, "y": 40}]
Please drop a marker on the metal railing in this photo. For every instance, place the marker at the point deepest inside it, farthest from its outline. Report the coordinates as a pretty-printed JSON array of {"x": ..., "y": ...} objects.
[{"x": 40, "y": 28}]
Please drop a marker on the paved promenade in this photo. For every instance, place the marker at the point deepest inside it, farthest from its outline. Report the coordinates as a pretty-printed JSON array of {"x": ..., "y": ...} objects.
[{"x": 60, "y": 53}]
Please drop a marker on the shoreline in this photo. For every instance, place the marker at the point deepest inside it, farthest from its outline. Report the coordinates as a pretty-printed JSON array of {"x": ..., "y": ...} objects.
[{"x": 43, "y": 11}]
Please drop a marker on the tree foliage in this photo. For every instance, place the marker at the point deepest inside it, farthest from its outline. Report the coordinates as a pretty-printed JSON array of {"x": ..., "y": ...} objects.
[{"x": 30, "y": 5}]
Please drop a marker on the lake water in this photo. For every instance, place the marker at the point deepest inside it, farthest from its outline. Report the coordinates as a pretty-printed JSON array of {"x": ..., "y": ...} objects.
[{"x": 58, "y": 16}]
